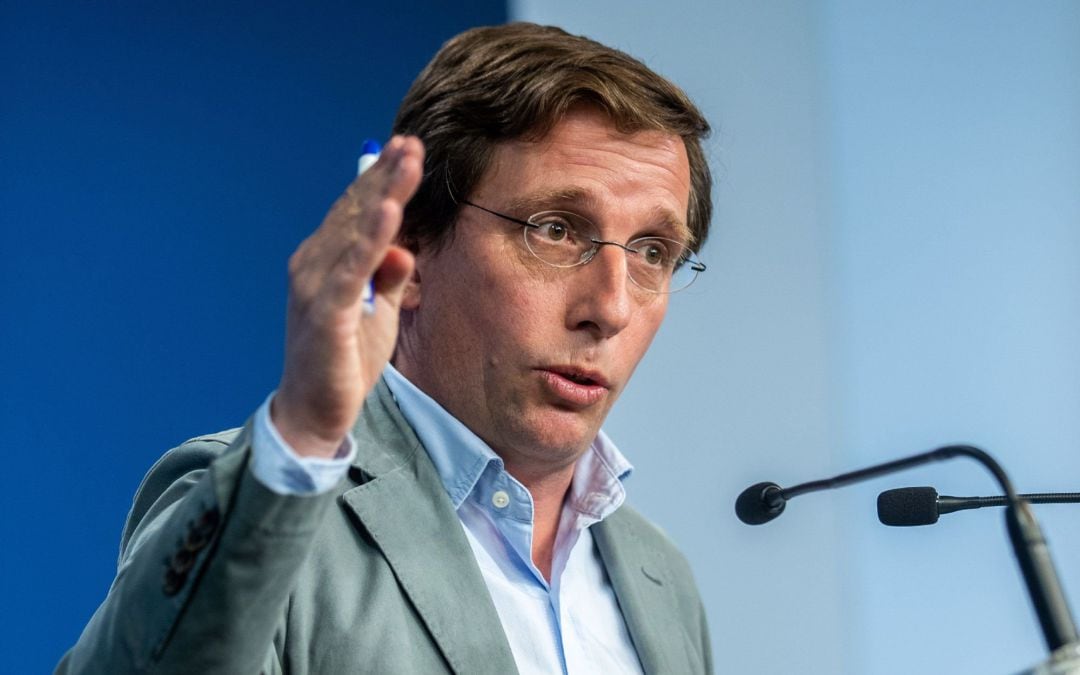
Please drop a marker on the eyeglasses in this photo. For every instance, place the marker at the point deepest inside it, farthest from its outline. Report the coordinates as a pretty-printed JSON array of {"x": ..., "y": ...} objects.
[{"x": 564, "y": 239}]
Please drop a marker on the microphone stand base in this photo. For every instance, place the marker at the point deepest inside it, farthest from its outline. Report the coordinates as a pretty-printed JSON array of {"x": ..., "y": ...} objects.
[{"x": 1063, "y": 661}]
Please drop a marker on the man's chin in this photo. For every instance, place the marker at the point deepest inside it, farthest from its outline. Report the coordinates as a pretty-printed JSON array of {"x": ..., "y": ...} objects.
[{"x": 562, "y": 433}]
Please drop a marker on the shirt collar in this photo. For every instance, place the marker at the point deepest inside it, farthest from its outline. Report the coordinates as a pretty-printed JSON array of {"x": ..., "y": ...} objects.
[{"x": 461, "y": 457}]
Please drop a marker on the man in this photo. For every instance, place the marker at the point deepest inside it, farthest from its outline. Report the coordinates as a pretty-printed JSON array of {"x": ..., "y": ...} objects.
[{"x": 459, "y": 510}]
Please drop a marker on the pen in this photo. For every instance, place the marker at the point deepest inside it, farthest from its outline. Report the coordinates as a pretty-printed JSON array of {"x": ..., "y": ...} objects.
[{"x": 369, "y": 154}]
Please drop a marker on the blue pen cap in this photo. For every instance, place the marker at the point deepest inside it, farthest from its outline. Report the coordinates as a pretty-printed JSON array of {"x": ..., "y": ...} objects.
[{"x": 371, "y": 147}]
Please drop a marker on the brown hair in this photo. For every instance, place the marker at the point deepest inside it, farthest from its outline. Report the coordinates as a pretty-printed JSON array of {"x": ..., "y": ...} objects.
[{"x": 516, "y": 81}]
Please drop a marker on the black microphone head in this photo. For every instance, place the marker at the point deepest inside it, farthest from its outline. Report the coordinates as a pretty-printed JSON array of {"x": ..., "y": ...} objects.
[
  {"x": 759, "y": 503},
  {"x": 906, "y": 507}
]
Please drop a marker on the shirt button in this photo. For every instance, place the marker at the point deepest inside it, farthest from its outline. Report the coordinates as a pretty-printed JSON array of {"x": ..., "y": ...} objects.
[{"x": 500, "y": 499}]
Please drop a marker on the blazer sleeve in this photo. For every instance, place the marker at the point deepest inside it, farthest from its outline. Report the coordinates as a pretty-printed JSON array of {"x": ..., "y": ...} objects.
[{"x": 207, "y": 562}]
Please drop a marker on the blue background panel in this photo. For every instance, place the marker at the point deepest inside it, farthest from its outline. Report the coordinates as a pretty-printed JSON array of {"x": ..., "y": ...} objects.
[{"x": 160, "y": 161}]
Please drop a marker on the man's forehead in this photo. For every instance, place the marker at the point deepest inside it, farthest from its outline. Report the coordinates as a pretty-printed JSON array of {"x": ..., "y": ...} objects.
[{"x": 583, "y": 160}]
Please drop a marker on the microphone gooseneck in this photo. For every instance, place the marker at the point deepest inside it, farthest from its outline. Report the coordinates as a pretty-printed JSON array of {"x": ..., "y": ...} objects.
[{"x": 765, "y": 501}]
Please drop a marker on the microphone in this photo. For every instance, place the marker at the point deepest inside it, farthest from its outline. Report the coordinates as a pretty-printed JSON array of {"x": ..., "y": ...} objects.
[
  {"x": 913, "y": 506},
  {"x": 762, "y": 502}
]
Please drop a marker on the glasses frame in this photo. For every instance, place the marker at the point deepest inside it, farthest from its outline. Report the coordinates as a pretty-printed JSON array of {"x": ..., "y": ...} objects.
[{"x": 696, "y": 265}]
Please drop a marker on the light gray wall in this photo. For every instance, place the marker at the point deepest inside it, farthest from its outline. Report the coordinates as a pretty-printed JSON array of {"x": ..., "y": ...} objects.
[
  {"x": 734, "y": 390},
  {"x": 954, "y": 150},
  {"x": 894, "y": 265}
]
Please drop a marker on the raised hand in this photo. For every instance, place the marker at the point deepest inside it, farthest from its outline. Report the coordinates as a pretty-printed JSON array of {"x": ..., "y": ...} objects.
[{"x": 334, "y": 350}]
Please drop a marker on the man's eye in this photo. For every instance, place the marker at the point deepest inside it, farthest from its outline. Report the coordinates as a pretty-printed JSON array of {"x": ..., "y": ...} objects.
[
  {"x": 654, "y": 253},
  {"x": 553, "y": 231}
]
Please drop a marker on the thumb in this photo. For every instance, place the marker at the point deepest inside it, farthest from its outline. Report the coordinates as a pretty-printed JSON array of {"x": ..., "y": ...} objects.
[{"x": 393, "y": 274}]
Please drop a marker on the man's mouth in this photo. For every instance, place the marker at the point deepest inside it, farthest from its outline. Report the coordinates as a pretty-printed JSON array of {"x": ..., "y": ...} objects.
[
  {"x": 574, "y": 386},
  {"x": 580, "y": 375}
]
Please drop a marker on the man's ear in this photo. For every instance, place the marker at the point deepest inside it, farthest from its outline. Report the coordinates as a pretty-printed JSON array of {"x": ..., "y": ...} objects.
[{"x": 410, "y": 298}]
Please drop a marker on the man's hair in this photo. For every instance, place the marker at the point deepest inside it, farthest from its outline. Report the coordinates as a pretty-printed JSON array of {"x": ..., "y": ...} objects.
[{"x": 516, "y": 82}]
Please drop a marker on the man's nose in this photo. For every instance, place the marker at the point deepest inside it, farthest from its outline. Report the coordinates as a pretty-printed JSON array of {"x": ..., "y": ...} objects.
[{"x": 602, "y": 294}]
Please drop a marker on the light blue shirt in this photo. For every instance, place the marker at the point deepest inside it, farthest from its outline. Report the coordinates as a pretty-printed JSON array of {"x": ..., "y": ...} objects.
[{"x": 570, "y": 625}]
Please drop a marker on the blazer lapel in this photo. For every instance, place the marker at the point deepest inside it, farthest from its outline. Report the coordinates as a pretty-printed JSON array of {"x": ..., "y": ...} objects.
[
  {"x": 638, "y": 577},
  {"x": 403, "y": 506}
]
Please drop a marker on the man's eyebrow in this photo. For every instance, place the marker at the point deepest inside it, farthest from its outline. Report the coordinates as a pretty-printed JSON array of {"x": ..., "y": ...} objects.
[
  {"x": 539, "y": 201},
  {"x": 676, "y": 227},
  {"x": 569, "y": 197}
]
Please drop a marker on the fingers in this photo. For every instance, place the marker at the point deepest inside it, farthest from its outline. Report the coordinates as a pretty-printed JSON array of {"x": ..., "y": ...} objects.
[
  {"x": 350, "y": 245},
  {"x": 360, "y": 261},
  {"x": 395, "y": 186},
  {"x": 360, "y": 215},
  {"x": 392, "y": 176}
]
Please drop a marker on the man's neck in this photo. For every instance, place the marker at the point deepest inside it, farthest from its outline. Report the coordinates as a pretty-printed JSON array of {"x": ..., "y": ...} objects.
[{"x": 548, "y": 490}]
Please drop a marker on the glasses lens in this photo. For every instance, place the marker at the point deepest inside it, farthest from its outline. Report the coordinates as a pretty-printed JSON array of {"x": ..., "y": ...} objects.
[
  {"x": 564, "y": 239},
  {"x": 661, "y": 265},
  {"x": 559, "y": 238}
]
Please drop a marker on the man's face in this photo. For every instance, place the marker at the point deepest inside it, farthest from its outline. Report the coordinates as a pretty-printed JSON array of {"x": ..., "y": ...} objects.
[{"x": 528, "y": 356}]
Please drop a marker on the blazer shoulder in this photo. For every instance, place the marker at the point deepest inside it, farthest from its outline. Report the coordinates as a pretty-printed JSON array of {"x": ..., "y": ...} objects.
[{"x": 182, "y": 465}]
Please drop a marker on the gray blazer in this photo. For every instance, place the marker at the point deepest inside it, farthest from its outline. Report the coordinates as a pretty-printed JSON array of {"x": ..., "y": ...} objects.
[{"x": 218, "y": 574}]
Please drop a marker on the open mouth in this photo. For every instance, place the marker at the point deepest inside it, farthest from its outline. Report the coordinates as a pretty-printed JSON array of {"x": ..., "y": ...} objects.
[
  {"x": 574, "y": 389},
  {"x": 580, "y": 379},
  {"x": 580, "y": 376}
]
